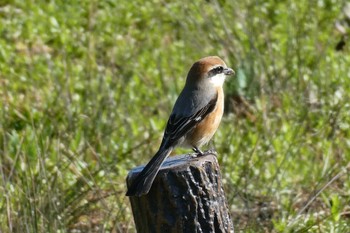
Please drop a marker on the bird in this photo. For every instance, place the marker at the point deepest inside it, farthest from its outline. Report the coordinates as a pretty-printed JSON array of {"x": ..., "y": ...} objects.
[{"x": 195, "y": 117}]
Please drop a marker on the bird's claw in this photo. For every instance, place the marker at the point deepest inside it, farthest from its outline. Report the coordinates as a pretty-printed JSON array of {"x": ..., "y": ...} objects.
[
  {"x": 197, "y": 151},
  {"x": 210, "y": 152}
]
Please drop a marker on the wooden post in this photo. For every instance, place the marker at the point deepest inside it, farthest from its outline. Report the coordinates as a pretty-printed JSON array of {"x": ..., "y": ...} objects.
[{"x": 186, "y": 196}]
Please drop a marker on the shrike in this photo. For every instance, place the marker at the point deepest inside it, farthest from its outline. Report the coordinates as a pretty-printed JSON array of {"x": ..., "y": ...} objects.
[{"x": 195, "y": 117}]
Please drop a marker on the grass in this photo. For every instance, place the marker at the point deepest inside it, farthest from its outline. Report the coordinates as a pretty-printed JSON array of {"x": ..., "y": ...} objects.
[{"x": 87, "y": 86}]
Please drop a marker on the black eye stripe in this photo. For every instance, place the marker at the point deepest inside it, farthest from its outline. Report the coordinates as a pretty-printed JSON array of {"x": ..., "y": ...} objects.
[
  {"x": 219, "y": 69},
  {"x": 216, "y": 70}
]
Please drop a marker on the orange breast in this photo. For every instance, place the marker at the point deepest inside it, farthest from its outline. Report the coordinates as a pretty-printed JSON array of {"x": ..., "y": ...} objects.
[{"x": 205, "y": 130}]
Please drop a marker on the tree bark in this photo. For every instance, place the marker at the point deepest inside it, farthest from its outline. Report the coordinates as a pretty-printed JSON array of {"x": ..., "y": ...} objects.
[{"x": 187, "y": 196}]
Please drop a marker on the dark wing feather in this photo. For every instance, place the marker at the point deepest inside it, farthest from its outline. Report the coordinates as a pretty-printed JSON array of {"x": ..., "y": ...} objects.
[{"x": 178, "y": 125}]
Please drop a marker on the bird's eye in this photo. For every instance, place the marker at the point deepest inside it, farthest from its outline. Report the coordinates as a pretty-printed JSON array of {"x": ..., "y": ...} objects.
[
  {"x": 218, "y": 69},
  {"x": 215, "y": 71}
]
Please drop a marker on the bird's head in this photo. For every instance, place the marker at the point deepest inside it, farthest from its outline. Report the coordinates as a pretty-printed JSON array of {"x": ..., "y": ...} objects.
[{"x": 209, "y": 70}]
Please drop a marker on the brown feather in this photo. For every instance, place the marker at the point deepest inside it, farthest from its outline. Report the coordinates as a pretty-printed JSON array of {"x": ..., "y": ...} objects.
[{"x": 205, "y": 130}]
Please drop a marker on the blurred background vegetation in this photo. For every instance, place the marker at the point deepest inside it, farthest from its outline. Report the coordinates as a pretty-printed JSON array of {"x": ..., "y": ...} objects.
[{"x": 87, "y": 86}]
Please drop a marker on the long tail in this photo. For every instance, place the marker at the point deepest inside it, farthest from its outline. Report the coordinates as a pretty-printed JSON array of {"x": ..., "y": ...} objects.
[{"x": 143, "y": 182}]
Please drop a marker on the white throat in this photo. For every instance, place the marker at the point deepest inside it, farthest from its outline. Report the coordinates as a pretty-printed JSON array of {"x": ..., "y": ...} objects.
[{"x": 217, "y": 80}]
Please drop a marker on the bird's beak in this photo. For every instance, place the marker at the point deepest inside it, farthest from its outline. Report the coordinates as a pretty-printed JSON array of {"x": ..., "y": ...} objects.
[{"x": 229, "y": 71}]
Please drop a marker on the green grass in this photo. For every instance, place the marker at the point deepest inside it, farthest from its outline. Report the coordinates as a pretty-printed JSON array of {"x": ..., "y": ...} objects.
[{"x": 86, "y": 88}]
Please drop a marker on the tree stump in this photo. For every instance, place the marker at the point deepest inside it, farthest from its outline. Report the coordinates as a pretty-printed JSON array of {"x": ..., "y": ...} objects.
[{"x": 186, "y": 196}]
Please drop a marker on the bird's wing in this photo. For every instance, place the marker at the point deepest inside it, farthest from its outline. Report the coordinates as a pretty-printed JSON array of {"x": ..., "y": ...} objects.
[{"x": 179, "y": 125}]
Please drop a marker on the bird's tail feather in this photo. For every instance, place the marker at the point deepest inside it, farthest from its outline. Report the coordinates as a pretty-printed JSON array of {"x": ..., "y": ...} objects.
[{"x": 143, "y": 182}]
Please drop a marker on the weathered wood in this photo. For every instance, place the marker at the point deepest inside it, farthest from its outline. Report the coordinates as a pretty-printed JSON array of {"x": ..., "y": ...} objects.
[{"x": 186, "y": 196}]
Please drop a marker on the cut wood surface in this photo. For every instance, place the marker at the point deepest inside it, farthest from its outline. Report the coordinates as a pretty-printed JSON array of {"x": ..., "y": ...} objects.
[{"x": 187, "y": 196}]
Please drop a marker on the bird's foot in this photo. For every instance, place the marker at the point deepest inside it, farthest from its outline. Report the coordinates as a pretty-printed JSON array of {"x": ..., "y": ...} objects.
[
  {"x": 191, "y": 155},
  {"x": 211, "y": 152},
  {"x": 197, "y": 151}
]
